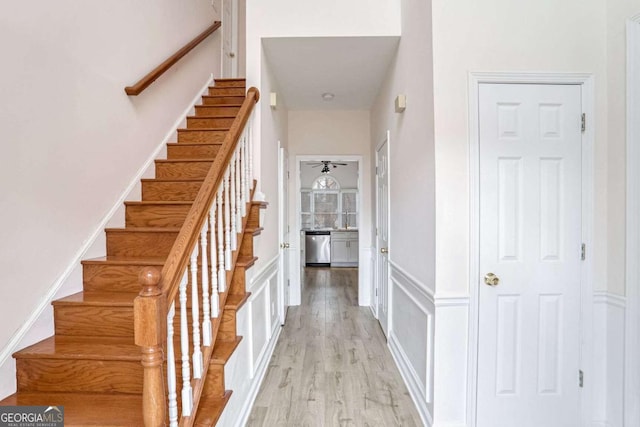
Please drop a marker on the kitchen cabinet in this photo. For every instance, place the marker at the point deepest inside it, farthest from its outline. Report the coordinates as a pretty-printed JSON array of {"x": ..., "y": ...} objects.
[{"x": 344, "y": 248}]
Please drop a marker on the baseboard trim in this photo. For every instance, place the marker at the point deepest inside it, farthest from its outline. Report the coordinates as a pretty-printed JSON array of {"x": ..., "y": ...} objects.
[
  {"x": 411, "y": 380},
  {"x": 45, "y": 302}
]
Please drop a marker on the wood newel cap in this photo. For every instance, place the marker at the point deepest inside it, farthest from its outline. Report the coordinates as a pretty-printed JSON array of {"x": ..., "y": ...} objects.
[
  {"x": 149, "y": 278},
  {"x": 255, "y": 92}
]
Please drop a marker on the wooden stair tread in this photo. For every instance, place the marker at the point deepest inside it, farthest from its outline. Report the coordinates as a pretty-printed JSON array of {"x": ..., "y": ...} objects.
[
  {"x": 219, "y": 105},
  {"x": 87, "y": 348},
  {"x": 246, "y": 261},
  {"x": 144, "y": 230},
  {"x": 210, "y": 409},
  {"x": 195, "y": 144},
  {"x": 176, "y": 179},
  {"x": 227, "y": 116},
  {"x": 222, "y": 350},
  {"x": 86, "y": 409},
  {"x": 235, "y": 301},
  {"x": 225, "y": 129},
  {"x": 158, "y": 202},
  {"x": 98, "y": 298},
  {"x": 120, "y": 260},
  {"x": 184, "y": 160}
]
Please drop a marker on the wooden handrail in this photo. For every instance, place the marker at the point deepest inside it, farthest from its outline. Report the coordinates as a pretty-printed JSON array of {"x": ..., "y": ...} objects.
[
  {"x": 144, "y": 82},
  {"x": 178, "y": 258}
]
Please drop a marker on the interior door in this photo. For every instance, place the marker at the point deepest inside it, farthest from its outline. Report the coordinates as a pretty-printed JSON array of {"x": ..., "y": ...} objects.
[
  {"x": 530, "y": 255},
  {"x": 382, "y": 235},
  {"x": 229, "y": 38},
  {"x": 283, "y": 227}
]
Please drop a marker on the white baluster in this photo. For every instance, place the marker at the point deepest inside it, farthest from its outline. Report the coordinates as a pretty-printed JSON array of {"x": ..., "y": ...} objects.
[
  {"x": 215, "y": 298},
  {"x": 206, "y": 310},
  {"x": 250, "y": 139},
  {"x": 234, "y": 206},
  {"x": 236, "y": 166},
  {"x": 243, "y": 165},
  {"x": 187, "y": 397},
  {"x": 171, "y": 370},
  {"x": 222, "y": 275},
  {"x": 227, "y": 222},
  {"x": 195, "y": 315}
]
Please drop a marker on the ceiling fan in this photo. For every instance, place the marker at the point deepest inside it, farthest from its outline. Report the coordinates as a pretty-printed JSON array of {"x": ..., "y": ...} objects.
[{"x": 325, "y": 165}]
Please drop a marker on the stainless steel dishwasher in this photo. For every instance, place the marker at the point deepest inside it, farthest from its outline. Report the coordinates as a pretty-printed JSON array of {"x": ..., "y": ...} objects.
[{"x": 318, "y": 248}]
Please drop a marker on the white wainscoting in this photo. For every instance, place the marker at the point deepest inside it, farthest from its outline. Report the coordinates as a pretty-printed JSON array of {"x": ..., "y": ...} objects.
[
  {"x": 608, "y": 344},
  {"x": 259, "y": 325},
  {"x": 452, "y": 359},
  {"x": 411, "y": 337}
]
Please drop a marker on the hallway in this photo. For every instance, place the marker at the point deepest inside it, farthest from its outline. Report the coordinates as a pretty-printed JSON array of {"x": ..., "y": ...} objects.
[{"x": 331, "y": 365}]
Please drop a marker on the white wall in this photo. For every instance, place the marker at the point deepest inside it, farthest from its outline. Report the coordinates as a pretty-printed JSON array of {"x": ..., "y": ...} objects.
[
  {"x": 412, "y": 209},
  {"x": 347, "y": 176},
  {"x": 272, "y": 130},
  {"x": 501, "y": 35},
  {"x": 73, "y": 139}
]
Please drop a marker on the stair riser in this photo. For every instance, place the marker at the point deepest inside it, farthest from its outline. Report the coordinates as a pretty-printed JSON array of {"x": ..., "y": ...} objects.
[
  {"x": 90, "y": 376},
  {"x": 217, "y": 110},
  {"x": 201, "y": 136},
  {"x": 111, "y": 278},
  {"x": 214, "y": 385},
  {"x": 227, "y": 331},
  {"x": 219, "y": 100},
  {"x": 230, "y": 83},
  {"x": 247, "y": 245},
  {"x": 209, "y": 122},
  {"x": 227, "y": 91},
  {"x": 182, "y": 170},
  {"x": 196, "y": 151},
  {"x": 178, "y": 191},
  {"x": 238, "y": 282},
  {"x": 94, "y": 321},
  {"x": 170, "y": 216},
  {"x": 140, "y": 244}
]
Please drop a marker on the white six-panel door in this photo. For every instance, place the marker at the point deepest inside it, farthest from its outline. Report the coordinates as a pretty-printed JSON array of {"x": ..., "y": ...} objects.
[
  {"x": 530, "y": 240},
  {"x": 382, "y": 237}
]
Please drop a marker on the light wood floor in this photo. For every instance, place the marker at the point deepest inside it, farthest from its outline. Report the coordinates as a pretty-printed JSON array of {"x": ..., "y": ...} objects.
[{"x": 331, "y": 365}]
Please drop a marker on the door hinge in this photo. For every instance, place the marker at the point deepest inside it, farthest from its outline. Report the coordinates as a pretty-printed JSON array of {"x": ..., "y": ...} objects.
[
  {"x": 376, "y": 291},
  {"x": 583, "y": 252},
  {"x": 581, "y": 378},
  {"x": 584, "y": 122}
]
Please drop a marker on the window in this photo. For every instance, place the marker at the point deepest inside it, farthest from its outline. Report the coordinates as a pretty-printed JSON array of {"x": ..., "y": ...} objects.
[{"x": 325, "y": 205}]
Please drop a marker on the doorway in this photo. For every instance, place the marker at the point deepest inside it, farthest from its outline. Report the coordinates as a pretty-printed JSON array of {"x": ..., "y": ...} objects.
[
  {"x": 382, "y": 235},
  {"x": 342, "y": 224},
  {"x": 530, "y": 286}
]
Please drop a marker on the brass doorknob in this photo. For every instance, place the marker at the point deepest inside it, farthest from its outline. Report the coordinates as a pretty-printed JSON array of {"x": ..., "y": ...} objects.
[
  {"x": 384, "y": 250},
  {"x": 491, "y": 279}
]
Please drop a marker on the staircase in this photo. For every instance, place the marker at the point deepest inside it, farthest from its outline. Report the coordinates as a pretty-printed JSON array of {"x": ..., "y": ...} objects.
[{"x": 92, "y": 365}]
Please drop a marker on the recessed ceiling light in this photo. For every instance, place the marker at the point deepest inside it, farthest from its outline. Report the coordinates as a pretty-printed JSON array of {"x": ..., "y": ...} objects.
[{"x": 328, "y": 96}]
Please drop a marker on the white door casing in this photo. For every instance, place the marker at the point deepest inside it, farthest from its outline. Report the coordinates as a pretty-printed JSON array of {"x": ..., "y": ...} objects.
[
  {"x": 382, "y": 235},
  {"x": 283, "y": 229},
  {"x": 632, "y": 330},
  {"x": 530, "y": 237},
  {"x": 229, "y": 38}
]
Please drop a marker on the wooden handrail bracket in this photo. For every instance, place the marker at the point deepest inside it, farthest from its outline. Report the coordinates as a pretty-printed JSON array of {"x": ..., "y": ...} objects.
[{"x": 144, "y": 82}]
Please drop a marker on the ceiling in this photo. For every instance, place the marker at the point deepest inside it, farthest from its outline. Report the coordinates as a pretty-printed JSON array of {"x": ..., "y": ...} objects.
[{"x": 352, "y": 68}]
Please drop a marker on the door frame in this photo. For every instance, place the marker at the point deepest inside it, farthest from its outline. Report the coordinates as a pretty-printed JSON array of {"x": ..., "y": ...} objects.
[
  {"x": 586, "y": 82},
  {"x": 233, "y": 61},
  {"x": 376, "y": 294},
  {"x": 632, "y": 292},
  {"x": 295, "y": 292},
  {"x": 283, "y": 212}
]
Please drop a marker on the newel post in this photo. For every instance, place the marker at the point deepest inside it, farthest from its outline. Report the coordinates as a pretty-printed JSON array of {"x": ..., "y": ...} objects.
[{"x": 149, "y": 323}]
